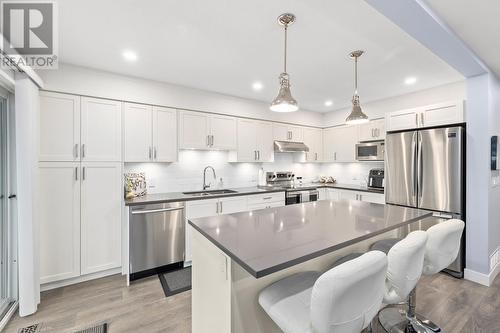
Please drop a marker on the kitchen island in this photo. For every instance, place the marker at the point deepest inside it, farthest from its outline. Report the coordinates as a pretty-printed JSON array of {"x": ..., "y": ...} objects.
[{"x": 235, "y": 256}]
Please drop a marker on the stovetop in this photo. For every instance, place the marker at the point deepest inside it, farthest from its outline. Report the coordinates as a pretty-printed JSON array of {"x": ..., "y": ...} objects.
[{"x": 289, "y": 188}]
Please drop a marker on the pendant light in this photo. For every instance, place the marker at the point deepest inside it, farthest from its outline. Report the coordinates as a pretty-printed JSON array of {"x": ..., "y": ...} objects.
[
  {"x": 284, "y": 102},
  {"x": 356, "y": 116}
]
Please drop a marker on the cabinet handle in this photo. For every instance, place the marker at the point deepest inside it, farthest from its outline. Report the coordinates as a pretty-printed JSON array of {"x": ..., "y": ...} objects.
[
  {"x": 255, "y": 155},
  {"x": 217, "y": 207},
  {"x": 75, "y": 150},
  {"x": 208, "y": 140},
  {"x": 149, "y": 152},
  {"x": 154, "y": 152},
  {"x": 416, "y": 119},
  {"x": 360, "y": 197},
  {"x": 258, "y": 155},
  {"x": 267, "y": 198},
  {"x": 422, "y": 118},
  {"x": 83, "y": 150},
  {"x": 315, "y": 156},
  {"x": 335, "y": 156},
  {"x": 212, "y": 140},
  {"x": 76, "y": 173},
  {"x": 83, "y": 173},
  {"x": 373, "y": 132}
]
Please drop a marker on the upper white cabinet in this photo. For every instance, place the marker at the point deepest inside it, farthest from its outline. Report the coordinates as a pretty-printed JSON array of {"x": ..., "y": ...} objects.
[
  {"x": 284, "y": 132},
  {"x": 150, "y": 133},
  {"x": 255, "y": 142},
  {"x": 101, "y": 130},
  {"x": 339, "y": 144},
  {"x": 59, "y": 127},
  {"x": 164, "y": 134},
  {"x": 372, "y": 131},
  {"x": 452, "y": 112},
  {"x": 74, "y": 128},
  {"x": 199, "y": 130},
  {"x": 443, "y": 114},
  {"x": 313, "y": 139}
]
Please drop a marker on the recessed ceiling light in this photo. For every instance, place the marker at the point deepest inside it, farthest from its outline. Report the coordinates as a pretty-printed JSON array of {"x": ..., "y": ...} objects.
[
  {"x": 257, "y": 86},
  {"x": 129, "y": 55},
  {"x": 329, "y": 102},
  {"x": 410, "y": 80}
]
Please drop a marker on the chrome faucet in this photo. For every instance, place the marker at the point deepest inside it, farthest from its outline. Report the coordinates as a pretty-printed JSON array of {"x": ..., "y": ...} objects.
[{"x": 205, "y": 185}]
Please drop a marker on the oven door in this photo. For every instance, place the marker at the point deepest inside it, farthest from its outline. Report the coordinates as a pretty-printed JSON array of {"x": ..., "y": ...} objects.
[
  {"x": 373, "y": 151},
  {"x": 295, "y": 197}
]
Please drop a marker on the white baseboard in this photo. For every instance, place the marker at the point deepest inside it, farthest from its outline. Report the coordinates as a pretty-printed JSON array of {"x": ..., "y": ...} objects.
[
  {"x": 88, "y": 277},
  {"x": 481, "y": 278}
]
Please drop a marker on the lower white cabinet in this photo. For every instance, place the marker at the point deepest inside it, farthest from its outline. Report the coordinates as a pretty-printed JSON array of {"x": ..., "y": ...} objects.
[
  {"x": 210, "y": 207},
  {"x": 100, "y": 217},
  {"x": 344, "y": 194},
  {"x": 80, "y": 218},
  {"x": 59, "y": 218}
]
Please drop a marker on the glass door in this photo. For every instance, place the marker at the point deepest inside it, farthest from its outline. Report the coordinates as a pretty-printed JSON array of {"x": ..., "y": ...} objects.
[{"x": 6, "y": 283}]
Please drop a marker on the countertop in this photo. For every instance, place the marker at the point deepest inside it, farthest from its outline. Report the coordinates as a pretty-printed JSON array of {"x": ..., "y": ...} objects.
[
  {"x": 179, "y": 196},
  {"x": 269, "y": 240}
]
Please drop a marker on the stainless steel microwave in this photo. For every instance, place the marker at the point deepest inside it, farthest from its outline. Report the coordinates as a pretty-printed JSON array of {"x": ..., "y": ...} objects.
[{"x": 370, "y": 151}]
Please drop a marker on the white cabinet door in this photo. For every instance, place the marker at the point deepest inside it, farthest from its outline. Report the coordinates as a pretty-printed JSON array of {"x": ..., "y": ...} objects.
[
  {"x": 296, "y": 133},
  {"x": 333, "y": 194},
  {"x": 196, "y": 209},
  {"x": 349, "y": 195},
  {"x": 264, "y": 206},
  {"x": 59, "y": 127},
  {"x": 247, "y": 140},
  {"x": 193, "y": 130},
  {"x": 322, "y": 194},
  {"x": 314, "y": 141},
  {"x": 59, "y": 216},
  {"x": 101, "y": 191},
  {"x": 101, "y": 130},
  {"x": 223, "y": 131},
  {"x": 403, "y": 119},
  {"x": 137, "y": 126},
  {"x": 265, "y": 142},
  {"x": 372, "y": 197},
  {"x": 233, "y": 205},
  {"x": 443, "y": 114},
  {"x": 281, "y": 132},
  {"x": 342, "y": 143},
  {"x": 164, "y": 134},
  {"x": 328, "y": 139},
  {"x": 372, "y": 131}
]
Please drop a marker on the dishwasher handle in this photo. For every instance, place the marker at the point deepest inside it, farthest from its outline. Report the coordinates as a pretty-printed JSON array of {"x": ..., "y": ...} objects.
[{"x": 156, "y": 210}]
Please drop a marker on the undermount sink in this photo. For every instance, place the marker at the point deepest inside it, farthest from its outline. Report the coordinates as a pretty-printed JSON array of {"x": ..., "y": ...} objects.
[{"x": 210, "y": 192}]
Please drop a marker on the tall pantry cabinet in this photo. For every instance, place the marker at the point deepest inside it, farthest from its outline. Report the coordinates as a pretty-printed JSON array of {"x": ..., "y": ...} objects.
[{"x": 80, "y": 185}]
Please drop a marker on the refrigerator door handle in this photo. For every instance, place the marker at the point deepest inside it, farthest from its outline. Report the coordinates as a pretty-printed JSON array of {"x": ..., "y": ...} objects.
[
  {"x": 420, "y": 166},
  {"x": 414, "y": 164}
]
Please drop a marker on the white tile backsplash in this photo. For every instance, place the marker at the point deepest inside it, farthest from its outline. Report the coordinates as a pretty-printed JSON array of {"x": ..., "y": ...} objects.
[{"x": 187, "y": 173}]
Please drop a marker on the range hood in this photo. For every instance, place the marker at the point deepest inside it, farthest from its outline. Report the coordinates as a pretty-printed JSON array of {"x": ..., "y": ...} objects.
[{"x": 290, "y": 147}]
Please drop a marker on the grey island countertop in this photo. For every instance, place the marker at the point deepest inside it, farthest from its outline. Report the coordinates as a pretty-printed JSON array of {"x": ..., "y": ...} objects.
[{"x": 269, "y": 240}]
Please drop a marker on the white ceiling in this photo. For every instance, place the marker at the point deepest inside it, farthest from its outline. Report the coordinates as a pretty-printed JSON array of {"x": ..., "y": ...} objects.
[
  {"x": 477, "y": 23},
  {"x": 226, "y": 45}
]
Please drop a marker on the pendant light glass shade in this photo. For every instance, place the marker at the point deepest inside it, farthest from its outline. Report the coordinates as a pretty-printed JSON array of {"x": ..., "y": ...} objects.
[
  {"x": 284, "y": 102},
  {"x": 356, "y": 116}
]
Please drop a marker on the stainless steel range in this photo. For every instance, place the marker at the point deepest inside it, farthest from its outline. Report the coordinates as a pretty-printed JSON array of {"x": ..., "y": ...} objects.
[{"x": 294, "y": 193}]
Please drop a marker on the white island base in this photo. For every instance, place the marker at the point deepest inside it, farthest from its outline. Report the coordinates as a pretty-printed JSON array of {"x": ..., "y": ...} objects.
[{"x": 225, "y": 295}]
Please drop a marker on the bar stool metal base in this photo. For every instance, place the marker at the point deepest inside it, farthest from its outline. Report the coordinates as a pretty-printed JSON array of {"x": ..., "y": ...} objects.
[{"x": 394, "y": 320}]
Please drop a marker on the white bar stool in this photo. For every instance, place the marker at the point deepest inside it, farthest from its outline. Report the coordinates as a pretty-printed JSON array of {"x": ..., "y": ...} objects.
[
  {"x": 344, "y": 299},
  {"x": 405, "y": 264},
  {"x": 443, "y": 244}
]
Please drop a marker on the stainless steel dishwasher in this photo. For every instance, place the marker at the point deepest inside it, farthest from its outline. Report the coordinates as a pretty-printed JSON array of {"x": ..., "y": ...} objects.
[{"x": 156, "y": 238}]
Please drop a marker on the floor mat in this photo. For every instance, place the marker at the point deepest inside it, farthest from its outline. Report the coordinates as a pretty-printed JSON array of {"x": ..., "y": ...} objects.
[{"x": 176, "y": 281}]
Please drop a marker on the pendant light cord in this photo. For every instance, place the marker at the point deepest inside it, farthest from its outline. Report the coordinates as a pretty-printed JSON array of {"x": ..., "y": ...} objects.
[
  {"x": 356, "y": 75},
  {"x": 286, "y": 29}
]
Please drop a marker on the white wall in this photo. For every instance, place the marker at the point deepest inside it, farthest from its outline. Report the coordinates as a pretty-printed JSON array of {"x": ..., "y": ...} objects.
[
  {"x": 90, "y": 82},
  {"x": 494, "y": 195},
  {"x": 377, "y": 109}
]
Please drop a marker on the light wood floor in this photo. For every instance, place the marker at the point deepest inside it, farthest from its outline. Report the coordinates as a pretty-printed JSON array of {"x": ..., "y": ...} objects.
[{"x": 457, "y": 305}]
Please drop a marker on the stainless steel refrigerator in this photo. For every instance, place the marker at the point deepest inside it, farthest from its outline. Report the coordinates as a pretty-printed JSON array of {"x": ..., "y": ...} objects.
[{"x": 425, "y": 169}]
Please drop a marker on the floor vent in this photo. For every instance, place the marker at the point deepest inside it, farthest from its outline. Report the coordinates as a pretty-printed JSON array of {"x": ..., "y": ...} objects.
[
  {"x": 35, "y": 328},
  {"x": 102, "y": 328}
]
